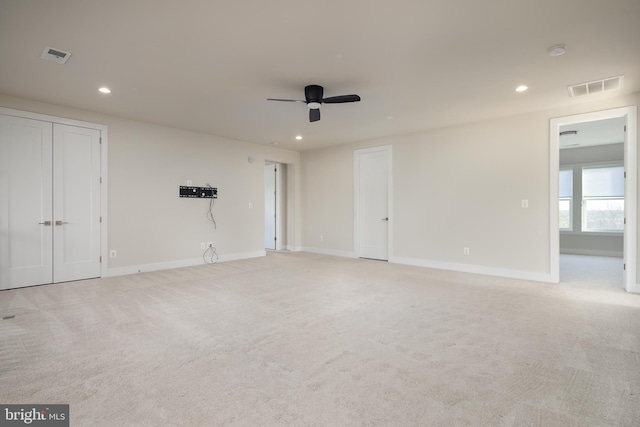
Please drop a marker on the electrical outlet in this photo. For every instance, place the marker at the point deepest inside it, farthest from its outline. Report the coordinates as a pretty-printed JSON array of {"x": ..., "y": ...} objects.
[
  {"x": 209, "y": 244},
  {"x": 524, "y": 203},
  {"x": 250, "y": 205},
  {"x": 465, "y": 251},
  {"x": 112, "y": 253},
  {"x": 203, "y": 245},
  {"x": 189, "y": 183}
]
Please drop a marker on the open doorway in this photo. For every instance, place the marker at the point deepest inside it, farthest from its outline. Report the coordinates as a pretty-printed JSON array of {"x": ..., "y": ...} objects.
[
  {"x": 275, "y": 202},
  {"x": 591, "y": 202},
  {"x": 593, "y": 198}
]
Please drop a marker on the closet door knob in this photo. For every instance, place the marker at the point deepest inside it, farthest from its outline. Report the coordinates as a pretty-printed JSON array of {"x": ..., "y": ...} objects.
[
  {"x": 45, "y": 223},
  {"x": 61, "y": 222}
]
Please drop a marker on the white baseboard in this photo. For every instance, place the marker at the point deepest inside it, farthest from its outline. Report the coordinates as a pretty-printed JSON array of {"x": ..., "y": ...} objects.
[
  {"x": 132, "y": 269},
  {"x": 634, "y": 288},
  {"x": 242, "y": 255},
  {"x": 476, "y": 269},
  {"x": 591, "y": 252},
  {"x": 325, "y": 251},
  {"x": 452, "y": 266}
]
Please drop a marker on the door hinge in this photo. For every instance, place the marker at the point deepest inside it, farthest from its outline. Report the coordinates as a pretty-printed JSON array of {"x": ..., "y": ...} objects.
[
  {"x": 100, "y": 220},
  {"x": 100, "y": 180},
  {"x": 625, "y": 175},
  {"x": 624, "y": 266},
  {"x": 100, "y": 258},
  {"x": 625, "y": 221},
  {"x": 625, "y": 128},
  {"x": 275, "y": 238},
  {"x": 100, "y": 140}
]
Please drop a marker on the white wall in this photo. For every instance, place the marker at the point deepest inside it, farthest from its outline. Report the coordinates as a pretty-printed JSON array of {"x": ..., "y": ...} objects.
[
  {"x": 327, "y": 200},
  {"x": 149, "y": 225},
  {"x": 454, "y": 187}
]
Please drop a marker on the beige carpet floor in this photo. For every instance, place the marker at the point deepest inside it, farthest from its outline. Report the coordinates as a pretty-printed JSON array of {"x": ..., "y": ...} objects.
[
  {"x": 298, "y": 339},
  {"x": 592, "y": 271}
]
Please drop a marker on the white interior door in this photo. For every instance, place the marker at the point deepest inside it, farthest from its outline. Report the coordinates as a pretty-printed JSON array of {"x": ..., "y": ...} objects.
[
  {"x": 372, "y": 217},
  {"x": 26, "y": 230},
  {"x": 49, "y": 202},
  {"x": 76, "y": 203}
]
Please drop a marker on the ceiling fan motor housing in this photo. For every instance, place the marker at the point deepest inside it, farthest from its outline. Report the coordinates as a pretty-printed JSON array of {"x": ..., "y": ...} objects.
[{"x": 313, "y": 94}]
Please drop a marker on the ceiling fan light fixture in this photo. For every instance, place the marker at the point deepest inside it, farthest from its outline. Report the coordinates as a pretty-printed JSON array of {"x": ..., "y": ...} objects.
[{"x": 313, "y": 105}]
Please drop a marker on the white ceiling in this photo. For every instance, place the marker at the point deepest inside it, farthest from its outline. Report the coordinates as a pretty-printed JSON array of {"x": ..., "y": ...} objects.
[
  {"x": 209, "y": 65},
  {"x": 598, "y": 132}
]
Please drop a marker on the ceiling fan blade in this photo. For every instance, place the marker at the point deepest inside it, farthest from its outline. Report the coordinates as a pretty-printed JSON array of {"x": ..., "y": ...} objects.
[
  {"x": 314, "y": 115},
  {"x": 341, "y": 99},
  {"x": 285, "y": 100}
]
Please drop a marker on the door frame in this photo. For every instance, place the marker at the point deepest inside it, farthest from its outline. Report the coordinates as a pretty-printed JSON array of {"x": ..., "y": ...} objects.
[
  {"x": 103, "y": 169},
  {"x": 279, "y": 202},
  {"x": 270, "y": 169},
  {"x": 281, "y": 196},
  {"x": 356, "y": 197},
  {"x": 631, "y": 188},
  {"x": 284, "y": 207}
]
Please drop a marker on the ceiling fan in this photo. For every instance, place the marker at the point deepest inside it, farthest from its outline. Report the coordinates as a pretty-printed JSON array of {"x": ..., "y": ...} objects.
[{"x": 313, "y": 99}]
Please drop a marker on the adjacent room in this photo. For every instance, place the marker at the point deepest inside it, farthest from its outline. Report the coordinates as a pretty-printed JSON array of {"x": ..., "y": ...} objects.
[
  {"x": 592, "y": 202},
  {"x": 319, "y": 214}
]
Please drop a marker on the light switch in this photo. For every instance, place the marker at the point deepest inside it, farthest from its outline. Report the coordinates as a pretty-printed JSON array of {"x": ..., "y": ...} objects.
[{"x": 525, "y": 203}]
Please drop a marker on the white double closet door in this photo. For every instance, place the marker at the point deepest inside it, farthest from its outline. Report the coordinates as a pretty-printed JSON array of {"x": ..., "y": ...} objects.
[{"x": 49, "y": 202}]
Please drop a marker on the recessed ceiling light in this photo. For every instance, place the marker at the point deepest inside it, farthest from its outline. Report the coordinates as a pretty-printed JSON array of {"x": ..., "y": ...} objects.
[
  {"x": 389, "y": 117},
  {"x": 274, "y": 143},
  {"x": 521, "y": 88},
  {"x": 298, "y": 137},
  {"x": 557, "y": 50},
  {"x": 104, "y": 90}
]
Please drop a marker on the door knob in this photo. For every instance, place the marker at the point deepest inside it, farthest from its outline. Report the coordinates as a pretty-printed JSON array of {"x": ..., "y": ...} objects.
[
  {"x": 45, "y": 223},
  {"x": 385, "y": 219},
  {"x": 61, "y": 222}
]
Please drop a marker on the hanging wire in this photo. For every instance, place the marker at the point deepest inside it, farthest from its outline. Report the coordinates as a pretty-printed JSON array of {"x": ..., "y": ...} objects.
[
  {"x": 210, "y": 211},
  {"x": 210, "y": 256}
]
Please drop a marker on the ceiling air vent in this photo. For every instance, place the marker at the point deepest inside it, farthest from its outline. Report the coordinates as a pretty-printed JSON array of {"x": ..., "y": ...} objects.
[
  {"x": 55, "y": 55},
  {"x": 604, "y": 85}
]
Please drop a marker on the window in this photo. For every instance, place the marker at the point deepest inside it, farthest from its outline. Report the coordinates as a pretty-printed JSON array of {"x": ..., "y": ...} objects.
[
  {"x": 603, "y": 198},
  {"x": 566, "y": 199}
]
